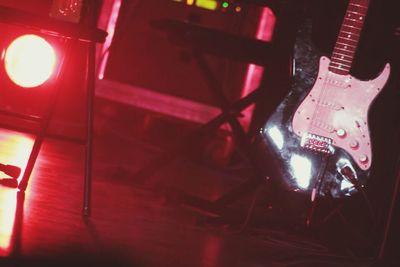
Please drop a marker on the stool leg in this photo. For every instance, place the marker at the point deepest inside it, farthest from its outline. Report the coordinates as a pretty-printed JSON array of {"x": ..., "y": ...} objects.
[{"x": 90, "y": 79}]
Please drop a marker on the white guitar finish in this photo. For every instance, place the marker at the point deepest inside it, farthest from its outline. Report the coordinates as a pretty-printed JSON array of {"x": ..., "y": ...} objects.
[
  {"x": 336, "y": 108},
  {"x": 318, "y": 138}
]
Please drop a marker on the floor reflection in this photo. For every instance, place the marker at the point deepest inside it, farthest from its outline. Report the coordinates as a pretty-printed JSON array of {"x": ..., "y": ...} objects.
[
  {"x": 15, "y": 149},
  {"x": 212, "y": 250},
  {"x": 8, "y": 205}
]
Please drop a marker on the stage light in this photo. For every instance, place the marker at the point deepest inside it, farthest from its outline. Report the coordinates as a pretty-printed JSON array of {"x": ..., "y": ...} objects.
[{"x": 29, "y": 61}]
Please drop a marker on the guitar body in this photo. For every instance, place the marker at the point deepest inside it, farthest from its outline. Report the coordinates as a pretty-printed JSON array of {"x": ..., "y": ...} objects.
[{"x": 318, "y": 137}]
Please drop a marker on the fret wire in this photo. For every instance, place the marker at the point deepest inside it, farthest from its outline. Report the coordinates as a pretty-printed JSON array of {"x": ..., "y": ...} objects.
[
  {"x": 355, "y": 12},
  {"x": 348, "y": 38},
  {"x": 353, "y": 33},
  {"x": 351, "y": 30},
  {"x": 343, "y": 71},
  {"x": 341, "y": 54},
  {"x": 351, "y": 53},
  {"x": 355, "y": 41},
  {"x": 341, "y": 60},
  {"x": 352, "y": 4},
  {"x": 344, "y": 44},
  {"x": 353, "y": 27},
  {"x": 346, "y": 34},
  {"x": 336, "y": 57},
  {"x": 355, "y": 20},
  {"x": 349, "y": 50},
  {"x": 341, "y": 64},
  {"x": 338, "y": 68},
  {"x": 351, "y": 21}
]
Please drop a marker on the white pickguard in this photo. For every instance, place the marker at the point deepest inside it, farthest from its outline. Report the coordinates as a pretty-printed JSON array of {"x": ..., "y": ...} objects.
[{"x": 337, "y": 108}]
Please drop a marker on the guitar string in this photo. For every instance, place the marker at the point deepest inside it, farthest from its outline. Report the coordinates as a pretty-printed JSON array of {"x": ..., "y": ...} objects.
[
  {"x": 321, "y": 95},
  {"x": 318, "y": 113},
  {"x": 325, "y": 93},
  {"x": 330, "y": 90},
  {"x": 323, "y": 103}
]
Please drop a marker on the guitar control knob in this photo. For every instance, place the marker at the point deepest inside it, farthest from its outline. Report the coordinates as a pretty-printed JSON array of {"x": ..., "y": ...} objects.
[
  {"x": 354, "y": 144},
  {"x": 363, "y": 159},
  {"x": 341, "y": 132}
]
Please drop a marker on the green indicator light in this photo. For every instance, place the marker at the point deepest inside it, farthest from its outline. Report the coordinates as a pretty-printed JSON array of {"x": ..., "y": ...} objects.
[{"x": 225, "y": 4}]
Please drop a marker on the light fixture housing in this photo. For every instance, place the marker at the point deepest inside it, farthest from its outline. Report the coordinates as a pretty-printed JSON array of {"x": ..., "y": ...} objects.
[{"x": 29, "y": 60}]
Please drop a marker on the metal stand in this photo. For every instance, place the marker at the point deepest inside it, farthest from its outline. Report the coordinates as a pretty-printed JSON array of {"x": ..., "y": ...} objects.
[
  {"x": 67, "y": 33},
  {"x": 236, "y": 48},
  {"x": 242, "y": 141},
  {"x": 229, "y": 114}
]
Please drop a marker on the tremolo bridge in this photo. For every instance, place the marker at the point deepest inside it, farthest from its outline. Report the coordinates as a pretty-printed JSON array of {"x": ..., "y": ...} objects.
[{"x": 317, "y": 143}]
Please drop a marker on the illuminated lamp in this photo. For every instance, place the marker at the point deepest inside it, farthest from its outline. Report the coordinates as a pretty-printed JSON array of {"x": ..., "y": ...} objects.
[
  {"x": 37, "y": 52},
  {"x": 29, "y": 60}
]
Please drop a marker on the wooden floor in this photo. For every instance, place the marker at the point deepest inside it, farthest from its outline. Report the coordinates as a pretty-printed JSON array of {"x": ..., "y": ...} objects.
[{"x": 138, "y": 217}]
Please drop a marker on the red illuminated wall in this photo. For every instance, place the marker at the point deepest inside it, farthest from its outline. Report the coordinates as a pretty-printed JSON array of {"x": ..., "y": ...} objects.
[
  {"x": 143, "y": 56},
  {"x": 148, "y": 61},
  {"x": 39, "y": 7}
]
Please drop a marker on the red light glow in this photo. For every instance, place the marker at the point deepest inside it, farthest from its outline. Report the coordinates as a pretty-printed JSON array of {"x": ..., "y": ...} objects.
[
  {"x": 212, "y": 250},
  {"x": 7, "y": 211},
  {"x": 254, "y": 73},
  {"x": 29, "y": 61},
  {"x": 15, "y": 151}
]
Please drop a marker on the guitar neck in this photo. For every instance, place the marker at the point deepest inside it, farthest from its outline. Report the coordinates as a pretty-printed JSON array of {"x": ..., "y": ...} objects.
[{"x": 348, "y": 38}]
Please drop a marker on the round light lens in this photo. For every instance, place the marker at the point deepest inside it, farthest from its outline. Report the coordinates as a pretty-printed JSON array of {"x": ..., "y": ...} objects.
[{"x": 29, "y": 60}]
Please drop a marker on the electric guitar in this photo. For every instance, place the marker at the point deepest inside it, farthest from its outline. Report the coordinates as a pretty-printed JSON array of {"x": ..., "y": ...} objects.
[{"x": 319, "y": 135}]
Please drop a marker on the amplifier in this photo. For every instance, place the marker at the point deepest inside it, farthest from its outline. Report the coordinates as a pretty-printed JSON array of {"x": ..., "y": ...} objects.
[{"x": 171, "y": 56}]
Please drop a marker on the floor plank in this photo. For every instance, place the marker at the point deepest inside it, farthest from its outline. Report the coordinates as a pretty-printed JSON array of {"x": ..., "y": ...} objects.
[{"x": 135, "y": 221}]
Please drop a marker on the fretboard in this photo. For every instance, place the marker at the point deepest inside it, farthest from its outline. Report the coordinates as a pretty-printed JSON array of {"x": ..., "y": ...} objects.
[{"x": 349, "y": 35}]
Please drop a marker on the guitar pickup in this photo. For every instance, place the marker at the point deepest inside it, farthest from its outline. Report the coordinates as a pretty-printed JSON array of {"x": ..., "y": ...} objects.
[{"x": 317, "y": 143}]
